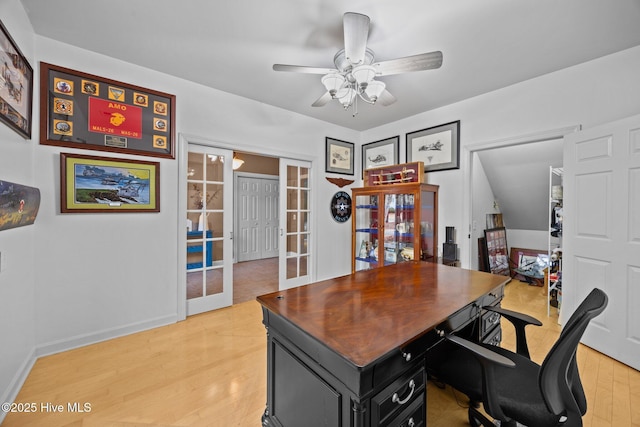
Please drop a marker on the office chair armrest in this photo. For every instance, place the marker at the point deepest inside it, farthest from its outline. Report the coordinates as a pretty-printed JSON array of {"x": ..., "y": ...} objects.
[
  {"x": 519, "y": 321},
  {"x": 488, "y": 360}
]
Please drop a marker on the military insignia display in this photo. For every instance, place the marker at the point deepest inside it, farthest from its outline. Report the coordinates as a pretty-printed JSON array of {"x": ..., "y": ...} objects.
[
  {"x": 80, "y": 110},
  {"x": 341, "y": 206}
]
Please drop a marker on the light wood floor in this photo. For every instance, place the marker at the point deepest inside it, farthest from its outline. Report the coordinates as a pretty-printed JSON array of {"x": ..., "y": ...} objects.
[{"x": 210, "y": 371}]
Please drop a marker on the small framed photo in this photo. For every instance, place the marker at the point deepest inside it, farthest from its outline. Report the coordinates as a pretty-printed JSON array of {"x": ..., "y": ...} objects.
[
  {"x": 497, "y": 251},
  {"x": 103, "y": 184},
  {"x": 437, "y": 147},
  {"x": 380, "y": 153},
  {"x": 16, "y": 81},
  {"x": 339, "y": 156}
]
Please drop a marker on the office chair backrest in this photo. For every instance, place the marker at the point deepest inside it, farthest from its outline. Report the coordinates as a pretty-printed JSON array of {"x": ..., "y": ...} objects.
[{"x": 559, "y": 379}]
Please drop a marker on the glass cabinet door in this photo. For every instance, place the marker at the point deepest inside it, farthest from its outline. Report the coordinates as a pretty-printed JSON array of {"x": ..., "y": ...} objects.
[
  {"x": 428, "y": 226},
  {"x": 366, "y": 232}
]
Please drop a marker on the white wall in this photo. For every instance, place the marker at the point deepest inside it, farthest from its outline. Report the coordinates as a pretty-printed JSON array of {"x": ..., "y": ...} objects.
[
  {"x": 482, "y": 203},
  {"x": 588, "y": 94},
  {"x": 17, "y": 245}
]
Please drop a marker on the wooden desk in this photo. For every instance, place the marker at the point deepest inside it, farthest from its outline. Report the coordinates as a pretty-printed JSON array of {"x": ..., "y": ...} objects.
[{"x": 350, "y": 351}]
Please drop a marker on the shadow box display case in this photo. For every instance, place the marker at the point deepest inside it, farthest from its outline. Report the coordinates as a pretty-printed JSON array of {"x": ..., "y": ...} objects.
[{"x": 394, "y": 223}]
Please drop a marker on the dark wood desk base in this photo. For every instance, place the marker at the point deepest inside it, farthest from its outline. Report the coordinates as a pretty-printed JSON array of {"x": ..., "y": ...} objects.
[{"x": 310, "y": 383}]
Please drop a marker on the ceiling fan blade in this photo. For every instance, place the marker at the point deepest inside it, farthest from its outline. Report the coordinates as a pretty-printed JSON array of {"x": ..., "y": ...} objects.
[
  {"x": 424, "y": 61},
  {"x": 302, "y": 69},
  {"x": 386, "y": 98},
  {"x": 356, "y": 31},
  {"x": 322, "y": 101}
]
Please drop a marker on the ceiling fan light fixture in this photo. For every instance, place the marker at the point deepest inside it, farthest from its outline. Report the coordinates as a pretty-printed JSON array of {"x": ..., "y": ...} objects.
[
  {"x": 363, "y": 74},
  {"x": 347, "y": 99},
  {"x": 333, "y": 82},
  {"x": 375, "y": 89}
]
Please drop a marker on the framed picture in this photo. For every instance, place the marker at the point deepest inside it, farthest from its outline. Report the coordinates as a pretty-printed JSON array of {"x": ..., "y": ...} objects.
[
  {"x": 437, "y": 147},
  {"x": 16, "y": 86},
  {"x": 380, "y": 153},
  {"x": 339, "y": 156},
  {"x": 19, "y": 205},
  {"x": 497, "y": 251},
  {"x": 102, "y": 184},
  {"x": 528, "y": 265},
  {"x": 85, "y": 111}
]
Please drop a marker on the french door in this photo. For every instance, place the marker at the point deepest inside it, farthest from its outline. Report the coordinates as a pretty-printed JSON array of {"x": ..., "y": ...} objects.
[
  {"x": 209, "y": 248},
  {"x": 295, "y": 223}
]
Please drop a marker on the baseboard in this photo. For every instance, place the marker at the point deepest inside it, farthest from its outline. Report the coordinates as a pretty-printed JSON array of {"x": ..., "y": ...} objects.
[
  {"x": 104, "y": 335},
  {"x": 20, "y": 377}
]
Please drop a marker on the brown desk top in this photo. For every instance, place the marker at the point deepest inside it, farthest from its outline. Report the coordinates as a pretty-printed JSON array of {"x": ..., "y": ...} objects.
[{"x": 365, "y": 315}]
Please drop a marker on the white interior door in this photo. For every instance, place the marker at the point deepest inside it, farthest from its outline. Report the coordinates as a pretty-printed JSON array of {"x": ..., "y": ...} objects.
[
  {"x": 209, "y": 283},
  {"x": 295, "y": 223},
  {"x": 258, "y": 219},
  {"x": 601, "y": 233}
]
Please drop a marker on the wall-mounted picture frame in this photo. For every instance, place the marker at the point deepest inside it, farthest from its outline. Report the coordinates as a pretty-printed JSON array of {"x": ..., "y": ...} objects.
[
  {"x": 380, "y": 153},
  {"x": 81, "y": 110},
  {"x": 16, "y": 86},
  {"x": 90, "y": 184},
  {"x": 497, "y": 251},
  {"x": 19, "y": 205},
  {"x": 339, "y": 156},
  {"x": 437, "y": 147}
]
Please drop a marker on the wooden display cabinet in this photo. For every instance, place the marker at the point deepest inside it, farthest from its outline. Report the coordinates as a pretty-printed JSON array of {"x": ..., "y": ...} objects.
[{"x": 394, "y": 223}]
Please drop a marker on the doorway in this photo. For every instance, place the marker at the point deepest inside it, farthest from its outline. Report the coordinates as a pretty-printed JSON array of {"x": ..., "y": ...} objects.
[
  {"x": 256, "y": 226},
  {"x": 294, "y": 237}
]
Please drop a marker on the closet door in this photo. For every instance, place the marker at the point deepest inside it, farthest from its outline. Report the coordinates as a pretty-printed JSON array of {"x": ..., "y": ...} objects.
[
  {"x": 258, "y": 218},
  {"x": 601, "y": 233}
]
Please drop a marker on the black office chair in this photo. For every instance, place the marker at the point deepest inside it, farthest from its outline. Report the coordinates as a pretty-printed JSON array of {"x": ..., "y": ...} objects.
[{"x": 514, "y": 389}]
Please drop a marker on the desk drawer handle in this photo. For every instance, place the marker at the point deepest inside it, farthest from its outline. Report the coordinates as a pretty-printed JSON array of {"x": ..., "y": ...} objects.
[{"x": 396, "y": 399}]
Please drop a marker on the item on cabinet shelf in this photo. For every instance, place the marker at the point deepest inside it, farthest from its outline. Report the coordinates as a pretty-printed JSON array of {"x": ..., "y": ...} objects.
[
  {"x": 395, "y": 174},
  {"x": 407, "y": 254},
  {"x": 373, "y": 254},
  {"x": 403, "y": 227},
  {"x": 390, "y": 255},
  {"x": 364, "y": 249}
]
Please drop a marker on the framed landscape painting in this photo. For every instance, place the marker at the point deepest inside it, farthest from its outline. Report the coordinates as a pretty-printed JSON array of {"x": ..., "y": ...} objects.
[{"x": 103, "y": 184}]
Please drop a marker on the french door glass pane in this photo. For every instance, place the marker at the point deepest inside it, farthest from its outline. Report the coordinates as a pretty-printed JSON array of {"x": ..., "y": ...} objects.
[{"x": 205, "y": 209}]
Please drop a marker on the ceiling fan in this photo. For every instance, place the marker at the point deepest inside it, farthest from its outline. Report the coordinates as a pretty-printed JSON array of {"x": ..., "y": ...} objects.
[{"x": 355, "y": 72}]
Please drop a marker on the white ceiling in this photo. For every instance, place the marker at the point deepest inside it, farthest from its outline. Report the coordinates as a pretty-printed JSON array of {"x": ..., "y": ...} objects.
[{"x": 232, "y": 45}]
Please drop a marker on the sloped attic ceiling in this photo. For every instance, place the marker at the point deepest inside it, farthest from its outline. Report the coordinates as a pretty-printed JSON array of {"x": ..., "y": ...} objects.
[{"x": 519, "y": 178}]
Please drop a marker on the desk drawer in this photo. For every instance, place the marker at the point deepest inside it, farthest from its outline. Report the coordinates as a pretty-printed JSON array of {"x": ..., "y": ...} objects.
[
  {"x": 489, "y": 320},
  {"x": 413, "y": 416},
  {"x": 398, "y": 396}
]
